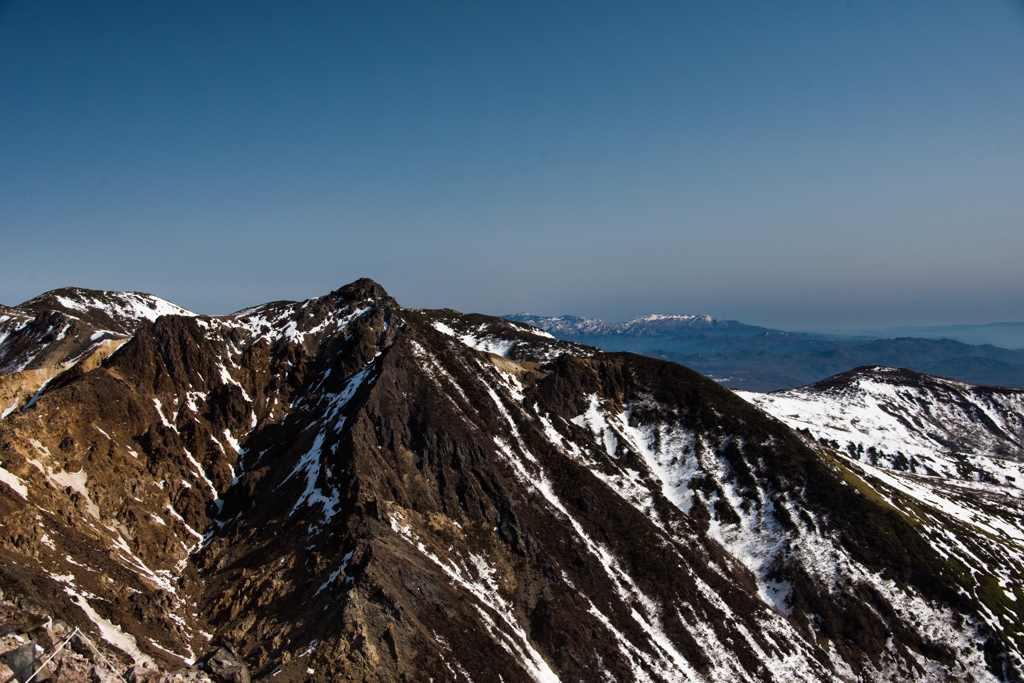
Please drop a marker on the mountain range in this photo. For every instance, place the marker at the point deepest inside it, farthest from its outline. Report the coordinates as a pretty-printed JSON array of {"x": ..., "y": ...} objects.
[
  {"x": 760, "y": 359},
  {"x": 1006, "y": 335},
  {"x": 345, "y": 489}
]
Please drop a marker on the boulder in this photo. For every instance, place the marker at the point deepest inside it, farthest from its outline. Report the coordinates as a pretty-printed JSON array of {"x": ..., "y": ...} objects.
[
  {"x": 143, "y": 673},
  {"x": 71, "y": 669},
  {"x": 22, "y": 661},
  {"x": 227, "y": 667},
  {"x": 101, "y": 673},
  {"x": 80, "y": 645}
]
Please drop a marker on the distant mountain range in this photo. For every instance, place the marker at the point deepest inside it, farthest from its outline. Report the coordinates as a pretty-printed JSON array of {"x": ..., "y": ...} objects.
[
  {"x": 1006, "y": 335},
  {"x": 639, "y": 328},
  {"x": 756, "y": 358}
]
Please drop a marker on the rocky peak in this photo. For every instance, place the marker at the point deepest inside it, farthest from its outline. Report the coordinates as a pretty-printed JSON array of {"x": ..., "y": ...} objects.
[{"x": 361, "y": 290}]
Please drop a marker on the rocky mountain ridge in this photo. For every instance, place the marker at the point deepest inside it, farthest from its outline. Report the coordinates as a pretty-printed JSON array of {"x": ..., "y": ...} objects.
[
  {"x": 66, "y": 328},
  {"x": 342, "y": 488}
]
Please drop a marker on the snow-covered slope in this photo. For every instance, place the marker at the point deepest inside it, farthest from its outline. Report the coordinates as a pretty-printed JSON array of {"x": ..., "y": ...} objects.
[
  {"x": 930, "y": 445},
  {"x": 911, "y": 422},
  {"x": 504, "y": 338},
  {"x": 60, "y": 327},
  {"x": 117, "y": 312}
]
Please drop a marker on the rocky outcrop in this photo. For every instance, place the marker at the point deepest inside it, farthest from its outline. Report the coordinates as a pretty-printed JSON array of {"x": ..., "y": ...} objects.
[{"x": 18, "y": 388}]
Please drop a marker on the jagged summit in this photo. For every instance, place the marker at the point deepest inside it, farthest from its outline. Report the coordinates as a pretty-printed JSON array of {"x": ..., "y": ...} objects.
[
  {"x": 344, "y": 489},
  {"x": 363, "y": 288}
]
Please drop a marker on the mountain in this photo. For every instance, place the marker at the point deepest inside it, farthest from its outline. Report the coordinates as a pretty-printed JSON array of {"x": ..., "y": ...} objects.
[
  {"x": 67, "y": 328},
  {"x": 758, "y": 359},
  {"x": 1005, "y": 335},
  {"x": 935, "y": 444},
  {"x": 645, "y": 326},
  {"x": 760, "y": 370},
  {"x": 345, "y": 489},
  {"x": 911, "y": 422}
]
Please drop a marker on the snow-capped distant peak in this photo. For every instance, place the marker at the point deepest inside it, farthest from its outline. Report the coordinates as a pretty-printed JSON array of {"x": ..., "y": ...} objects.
[
  {"x": 653, "y": 317},
  {"x": 653, "y": 324}
]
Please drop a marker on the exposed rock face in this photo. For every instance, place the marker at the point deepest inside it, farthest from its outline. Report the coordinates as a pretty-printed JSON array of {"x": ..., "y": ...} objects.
[
  {"x": 19, "y": 388},
  {"x": 347, "y": 490}
]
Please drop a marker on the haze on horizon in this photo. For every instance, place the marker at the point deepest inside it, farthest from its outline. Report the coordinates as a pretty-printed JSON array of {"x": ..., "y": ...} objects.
[{"x": 797, "y": 165}]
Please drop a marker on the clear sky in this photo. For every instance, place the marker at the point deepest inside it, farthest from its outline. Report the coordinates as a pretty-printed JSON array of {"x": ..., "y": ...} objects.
[{"x": 805, "y": 165}]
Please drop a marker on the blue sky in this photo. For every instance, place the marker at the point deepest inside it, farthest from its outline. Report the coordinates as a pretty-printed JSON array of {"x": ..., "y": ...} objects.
[{"x": 805, "y": 165}]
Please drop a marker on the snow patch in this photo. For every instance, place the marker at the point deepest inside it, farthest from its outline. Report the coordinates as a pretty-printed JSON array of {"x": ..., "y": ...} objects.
[{"x": 16, "y": 484}]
